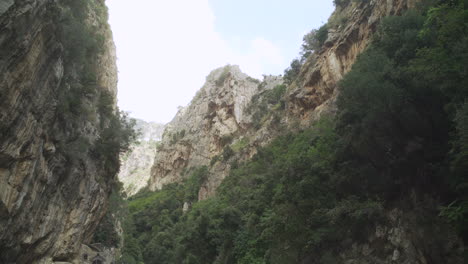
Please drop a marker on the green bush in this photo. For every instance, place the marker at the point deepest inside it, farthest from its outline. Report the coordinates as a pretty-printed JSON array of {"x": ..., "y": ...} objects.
[
  {"x": 222, "y": 78},
  {"x": 227, "y": 153},
  {"x": 266, "y": 104},
  {"x": 240, "y": 144},
  {"x": 106, "y": 233},
  {"x": 193, "y": 183},
  {"x": 292, "y": 72},
  {"x": 322, "y": 35},
  {"x": 226, "y": 139},
  {"x": 115, "y": 138}
]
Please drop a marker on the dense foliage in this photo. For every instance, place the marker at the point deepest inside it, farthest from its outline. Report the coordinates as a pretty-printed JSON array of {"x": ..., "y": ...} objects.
[
  {"x": 267, "y": 104},
  {"x": 81, "y": 100},
  {"x": 401, "y": 127}
]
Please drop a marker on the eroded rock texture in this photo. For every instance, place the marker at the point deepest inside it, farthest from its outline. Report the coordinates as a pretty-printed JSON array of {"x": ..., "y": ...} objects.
[
  {"x": 224, "y": 115},
  {"x": 315, "y": 91},
  {"x": 199, "y": 133},
  {"x": 54, "y": 185}
]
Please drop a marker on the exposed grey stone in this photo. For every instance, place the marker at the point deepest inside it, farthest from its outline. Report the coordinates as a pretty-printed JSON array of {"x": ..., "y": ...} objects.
[{"x": 48, "y": 206}]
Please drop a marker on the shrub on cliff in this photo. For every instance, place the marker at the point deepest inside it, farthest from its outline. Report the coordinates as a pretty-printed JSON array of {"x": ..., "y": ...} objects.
[
  {"x": 115, "y": 138},
  {"x": 312, "y": 43},
  {"x": 223, "y": 77}
]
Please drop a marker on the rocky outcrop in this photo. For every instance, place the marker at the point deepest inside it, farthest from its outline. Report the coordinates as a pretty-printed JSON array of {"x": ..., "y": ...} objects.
[
  {"x": 202, "y": 131},
  {"x": 57, "y": 84},
  {"x": 350, "y": 29},
  {"x": 136, "y": 164}
]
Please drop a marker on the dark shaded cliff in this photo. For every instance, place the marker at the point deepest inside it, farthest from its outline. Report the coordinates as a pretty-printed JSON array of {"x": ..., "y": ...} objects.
[{"x": 58, "y": 159}]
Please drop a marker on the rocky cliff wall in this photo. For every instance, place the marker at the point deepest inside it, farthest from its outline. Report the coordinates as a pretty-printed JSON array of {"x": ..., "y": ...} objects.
[
  {"x": 57, "y": 83},
  {"x": 136, "y": 164},
  {"x": 201, "y": 132},
  {"x": 220, "y": 117},
  {"x": 350, "y": 30}
]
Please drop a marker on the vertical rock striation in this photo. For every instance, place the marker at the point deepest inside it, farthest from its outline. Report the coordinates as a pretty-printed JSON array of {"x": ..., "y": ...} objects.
[
  {"x": 54, "y": 184},
  {"x": 136, "y": 164},
  {"x": 200, "y": 132}
]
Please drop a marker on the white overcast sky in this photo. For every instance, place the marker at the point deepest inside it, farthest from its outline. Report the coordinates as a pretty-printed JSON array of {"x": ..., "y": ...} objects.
[{"x": 166, "y": 48}]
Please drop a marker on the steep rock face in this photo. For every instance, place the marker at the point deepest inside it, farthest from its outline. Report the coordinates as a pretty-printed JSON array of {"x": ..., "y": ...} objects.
[
  {"x": 218, "y": 116},
  {"x": 200, "y": 132},
  {"x": 53, "y": 184},
  {"x": 315, "y": 90},
  {"x": 136, "y": 164}
]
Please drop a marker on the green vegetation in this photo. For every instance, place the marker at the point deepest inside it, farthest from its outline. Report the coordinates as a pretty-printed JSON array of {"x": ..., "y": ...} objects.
[
  {"x": 222, "y": 78},
  {"x": 226, "y": 139},
  {"x": 312, "y": 43},
  {"x": 214, "y": 160},
  {"x": 106, "y": 232},
  {"x": 401, "y": 127},
  {"x": 80, "y": 100},
  {"x": 404, "y": 108},
  {"x": 267, "y": 103},
  {"x": 175, "y": 137},
  {"x": 342, "y": 3},
  {"x": 240, "y": 144},
  {"x": 281, "y": 199},
  {"x": 193, "y": 183},
  {"x": 227, "y": 153},
  {"x": 115, "y": 138},
  {"x": 291, "y": 73}
]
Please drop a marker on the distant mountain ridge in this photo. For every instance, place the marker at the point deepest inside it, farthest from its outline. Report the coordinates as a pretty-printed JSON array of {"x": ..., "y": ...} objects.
[{"x": 136, "y": 164}]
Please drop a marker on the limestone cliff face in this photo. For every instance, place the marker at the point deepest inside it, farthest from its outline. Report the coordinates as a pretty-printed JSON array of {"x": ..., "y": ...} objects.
[
  {"x": 350, "y": 30},
  {"x": 57, "y": 78},
  {"x": 225, "y": 115},
  {"x": 136, "y": 164},
  {"x": 199, "y": 133}
]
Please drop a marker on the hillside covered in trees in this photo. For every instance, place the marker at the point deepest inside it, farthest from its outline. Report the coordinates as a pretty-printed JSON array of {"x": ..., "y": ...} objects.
[{"x": 382, "y": 180}]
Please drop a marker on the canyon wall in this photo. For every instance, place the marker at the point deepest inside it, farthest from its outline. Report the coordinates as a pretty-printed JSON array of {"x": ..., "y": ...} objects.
[
  {"x": 57, "y": 87},
  {"x": 234, "y": 111}
]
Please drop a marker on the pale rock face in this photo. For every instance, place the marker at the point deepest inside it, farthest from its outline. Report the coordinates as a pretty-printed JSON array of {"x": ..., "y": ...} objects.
[
  {"x": 315, "y": 93},
  {"x": 198, "y": 132},
  {"x": 136, "y": 164},
  {"x": 48, "y": 205}
]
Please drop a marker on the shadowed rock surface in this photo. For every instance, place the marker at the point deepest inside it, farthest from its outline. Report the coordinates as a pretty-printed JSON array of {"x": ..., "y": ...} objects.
[{"x": 54, "y": 184}]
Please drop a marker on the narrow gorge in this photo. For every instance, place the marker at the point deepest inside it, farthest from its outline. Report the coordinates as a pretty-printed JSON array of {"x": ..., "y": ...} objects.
[{"x": 358, "y": 153}]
